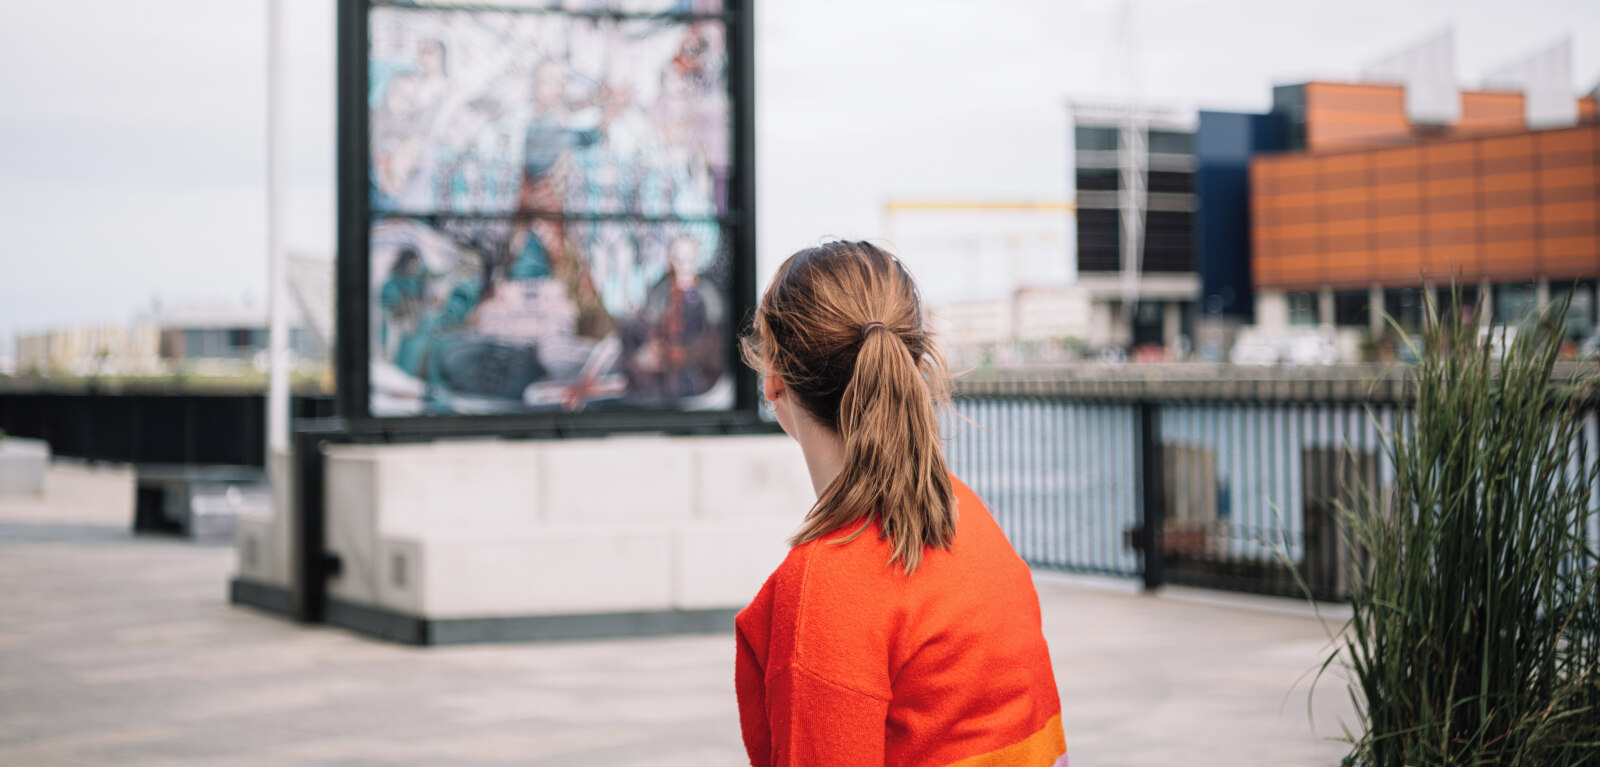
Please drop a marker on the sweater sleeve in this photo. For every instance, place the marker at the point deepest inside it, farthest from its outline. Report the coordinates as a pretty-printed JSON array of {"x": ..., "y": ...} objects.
[
  {"x": 818, "y": 721},
  {"x": 810, "y": 674},
  {"x": 749, "y": 681}
]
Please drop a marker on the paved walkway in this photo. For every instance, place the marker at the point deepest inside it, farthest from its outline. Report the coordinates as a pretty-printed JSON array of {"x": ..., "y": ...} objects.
[{"x": 117, "y": 650}]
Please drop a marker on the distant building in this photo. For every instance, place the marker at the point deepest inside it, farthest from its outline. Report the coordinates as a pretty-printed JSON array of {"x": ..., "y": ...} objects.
[
  {"x": 1349, "y": 201},
  {"x": 225, "y": 332},
  {"x": 90, "y": 350},
  {"x": 218, "y": 336},
  {"x": 1033, "y": 321},
  {"x": 1224, "y": 144},
  {"x": 1372, "y": 209},
  {"x": 222, "y": 333},
  {"x": 978, "y": 324},
  {"x": 1041, "y": 314},
  {"x": 1134, "y": 170}
]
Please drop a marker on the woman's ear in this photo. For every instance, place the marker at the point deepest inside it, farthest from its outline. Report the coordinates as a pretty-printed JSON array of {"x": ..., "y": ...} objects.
[{"x": 772, "y": 387}]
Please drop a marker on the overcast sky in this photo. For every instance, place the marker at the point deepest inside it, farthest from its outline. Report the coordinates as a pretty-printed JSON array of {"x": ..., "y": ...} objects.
[{"x": 132, "y": 137}]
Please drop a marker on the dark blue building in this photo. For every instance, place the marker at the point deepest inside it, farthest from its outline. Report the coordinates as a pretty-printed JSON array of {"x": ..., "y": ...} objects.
[{"x": 1224, "y": 144}]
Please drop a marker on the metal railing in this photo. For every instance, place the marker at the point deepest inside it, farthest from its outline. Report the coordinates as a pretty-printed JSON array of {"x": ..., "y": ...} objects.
[
  {"x": 1237, "y": 487},
  {"x": 1236, "y": 483},
  {"x": 1059, "y": 475}
]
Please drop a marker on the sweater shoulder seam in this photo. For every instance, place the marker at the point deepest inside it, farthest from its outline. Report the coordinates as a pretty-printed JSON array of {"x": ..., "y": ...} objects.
[
  {"x": 799, "y": 633},
  {"x": 800, "y": 601},
  {"x": 834, "y": 683}
]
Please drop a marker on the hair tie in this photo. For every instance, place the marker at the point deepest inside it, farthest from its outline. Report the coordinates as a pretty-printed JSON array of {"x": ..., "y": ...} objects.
[{"x": 867, "y": 328}]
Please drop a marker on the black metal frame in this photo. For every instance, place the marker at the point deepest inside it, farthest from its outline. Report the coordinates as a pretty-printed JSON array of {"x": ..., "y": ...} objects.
[
  {"x": 352, "y": 301},
  {"x": 351, "y": 348}
]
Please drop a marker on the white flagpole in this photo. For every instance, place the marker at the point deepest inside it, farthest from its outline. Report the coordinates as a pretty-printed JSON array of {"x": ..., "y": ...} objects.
[{"x": 277, "y": 262}]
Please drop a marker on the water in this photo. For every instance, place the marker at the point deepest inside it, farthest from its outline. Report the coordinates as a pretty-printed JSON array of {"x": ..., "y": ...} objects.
[{"x": 1244, "y": 480}]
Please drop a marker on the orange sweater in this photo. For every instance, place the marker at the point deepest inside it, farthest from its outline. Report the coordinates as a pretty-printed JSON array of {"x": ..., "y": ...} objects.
[{"x": 843, "y": 661}]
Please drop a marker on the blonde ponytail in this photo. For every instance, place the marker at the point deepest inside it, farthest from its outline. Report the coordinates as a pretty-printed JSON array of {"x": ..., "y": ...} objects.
[{"x": 842, "y": 325}]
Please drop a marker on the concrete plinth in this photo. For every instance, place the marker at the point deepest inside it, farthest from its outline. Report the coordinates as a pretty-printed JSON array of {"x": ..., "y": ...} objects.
[
  {"x": 264, "y": 540},
  {"x": 475, "y": 540},
  {"x": 22, "y": 466}
]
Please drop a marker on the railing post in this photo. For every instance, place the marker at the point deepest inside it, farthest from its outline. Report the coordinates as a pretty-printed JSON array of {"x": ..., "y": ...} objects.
[{"x": 1152, "y": 481}]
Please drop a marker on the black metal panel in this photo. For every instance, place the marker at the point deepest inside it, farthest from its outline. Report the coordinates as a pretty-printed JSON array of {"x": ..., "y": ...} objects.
[{"x": 150, "y": 428}]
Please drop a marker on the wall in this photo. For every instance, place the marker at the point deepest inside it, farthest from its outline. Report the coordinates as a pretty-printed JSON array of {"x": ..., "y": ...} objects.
[
  {"x": 265, "y": 542},
  {"x": 494, "y": 529},
  {"x": 1342, "y": 114},
  {"x": 1501, "y": 208},
  {"x": 1491, "y": 112}
]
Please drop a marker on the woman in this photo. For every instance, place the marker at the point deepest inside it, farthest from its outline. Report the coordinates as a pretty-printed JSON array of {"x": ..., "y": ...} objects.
[{"x": 902, "y": 629}]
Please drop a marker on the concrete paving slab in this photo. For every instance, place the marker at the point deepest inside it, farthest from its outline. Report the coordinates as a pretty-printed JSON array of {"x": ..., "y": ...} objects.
[{"x": 122, "y": 650}]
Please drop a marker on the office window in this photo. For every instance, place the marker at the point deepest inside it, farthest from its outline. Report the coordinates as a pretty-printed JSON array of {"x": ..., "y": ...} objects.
[
  {"x": 1170, "y": 181},
  {"x": 1099, "y": 240},
  {"x": 1098, "y": 180},
  {"x": 1303, "y": 308},
  {"x": 1351, "y": 307},
  {"x": 1581, "y": 313},
  {"x": 1515, "y": 302},
  {"x": 1169, "y": 241},
  {"x": 1445, "y": 299},
  {"x": 196, "y": 344},
  {"x": 1170, "y": 142},
  {"x": 1095, "y": 139},
  {"x": 1405, "y": 306}
]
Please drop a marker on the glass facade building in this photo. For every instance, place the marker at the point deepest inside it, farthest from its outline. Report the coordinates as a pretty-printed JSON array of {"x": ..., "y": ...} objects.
[{"x": 1169, "y": 185}]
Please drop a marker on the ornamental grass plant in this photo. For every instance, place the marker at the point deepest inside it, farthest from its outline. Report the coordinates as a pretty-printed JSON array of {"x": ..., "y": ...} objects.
[{"x": 1475, "y": 633}]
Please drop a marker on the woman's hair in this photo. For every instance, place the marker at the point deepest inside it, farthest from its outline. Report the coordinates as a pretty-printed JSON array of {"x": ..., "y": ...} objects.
[{"x": 842, "y": 325}]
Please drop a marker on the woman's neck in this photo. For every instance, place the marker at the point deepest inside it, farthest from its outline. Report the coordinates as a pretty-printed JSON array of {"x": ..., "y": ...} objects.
[{"x": 824, "y": 452}]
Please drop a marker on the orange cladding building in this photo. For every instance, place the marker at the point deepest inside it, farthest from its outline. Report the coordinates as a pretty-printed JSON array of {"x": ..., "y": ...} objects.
[{"x": 1375, "y": 209}]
